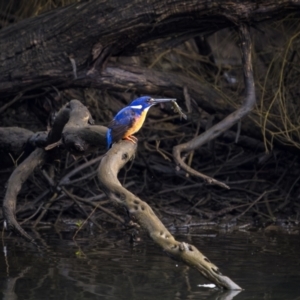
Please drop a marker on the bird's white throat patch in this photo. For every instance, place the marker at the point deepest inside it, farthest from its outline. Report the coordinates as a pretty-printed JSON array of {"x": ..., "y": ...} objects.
[{"x": 137, "y": 106}]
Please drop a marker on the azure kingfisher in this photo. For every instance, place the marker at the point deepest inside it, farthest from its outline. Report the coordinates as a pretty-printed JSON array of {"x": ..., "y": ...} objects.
[{"x": 130, "y": 119}]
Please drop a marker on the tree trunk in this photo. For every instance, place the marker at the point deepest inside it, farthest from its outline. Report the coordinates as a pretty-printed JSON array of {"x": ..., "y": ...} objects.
[{"x": 74, "y": 42}]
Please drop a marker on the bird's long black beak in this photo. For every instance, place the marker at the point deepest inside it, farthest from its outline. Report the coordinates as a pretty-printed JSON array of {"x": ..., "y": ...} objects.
[{"x": 156, "y": 101}]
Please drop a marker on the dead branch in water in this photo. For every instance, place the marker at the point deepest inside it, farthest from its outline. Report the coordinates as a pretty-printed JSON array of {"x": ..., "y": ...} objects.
[{"x": 143, "y": 214}]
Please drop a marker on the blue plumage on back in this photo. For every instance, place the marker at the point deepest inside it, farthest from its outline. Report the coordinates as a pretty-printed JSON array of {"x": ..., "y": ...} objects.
[{"x": 108, "y": 138}]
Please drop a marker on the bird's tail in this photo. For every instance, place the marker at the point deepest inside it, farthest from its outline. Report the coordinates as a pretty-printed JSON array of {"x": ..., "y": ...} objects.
[{"x": 108, "y": 138}]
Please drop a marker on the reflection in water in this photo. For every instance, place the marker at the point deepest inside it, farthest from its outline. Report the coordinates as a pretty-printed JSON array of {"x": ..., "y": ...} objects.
[
  {"x": 9, "y": 285},
  {"x": 267, "y": 266}
]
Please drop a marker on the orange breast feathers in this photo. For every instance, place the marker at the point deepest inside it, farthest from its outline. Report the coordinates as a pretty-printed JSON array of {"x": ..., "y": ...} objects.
[{"x": 139, "y": 121}]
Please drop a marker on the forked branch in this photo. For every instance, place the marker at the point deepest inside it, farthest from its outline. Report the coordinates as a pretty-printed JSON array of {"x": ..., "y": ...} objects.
[
  {"x": 231, "y": 119},
  {"x": 71, "y": 129}
]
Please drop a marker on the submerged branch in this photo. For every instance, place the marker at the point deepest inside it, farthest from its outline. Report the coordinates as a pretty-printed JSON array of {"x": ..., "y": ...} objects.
[
  {"x": 15, "y": 182},
  {"x": 142, "y": 213}
]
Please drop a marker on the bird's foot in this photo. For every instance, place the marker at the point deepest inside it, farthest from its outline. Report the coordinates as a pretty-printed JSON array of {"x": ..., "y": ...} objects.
[{"x": 131, "y": 138}]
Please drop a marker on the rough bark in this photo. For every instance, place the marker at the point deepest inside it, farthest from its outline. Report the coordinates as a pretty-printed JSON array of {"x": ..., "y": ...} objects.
[
  {"x": 73, "y": 42},
  {"x": 13, "y": 142}
]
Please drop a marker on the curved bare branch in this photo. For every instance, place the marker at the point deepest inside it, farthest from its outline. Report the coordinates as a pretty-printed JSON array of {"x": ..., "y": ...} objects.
[
  {"x": 231, "y": 119},
  {"x": 142, "y": 213},
  {"x": 15, "y": 182}
]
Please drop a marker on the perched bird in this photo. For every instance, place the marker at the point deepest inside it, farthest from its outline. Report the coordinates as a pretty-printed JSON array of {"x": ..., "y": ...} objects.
[{"x": 130, "y": 119}]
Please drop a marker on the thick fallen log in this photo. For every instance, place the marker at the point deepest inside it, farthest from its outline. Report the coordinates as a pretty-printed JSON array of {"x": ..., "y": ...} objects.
[
  {"x": 48, "y": 54},
  {"x": 75, "y": 41}
]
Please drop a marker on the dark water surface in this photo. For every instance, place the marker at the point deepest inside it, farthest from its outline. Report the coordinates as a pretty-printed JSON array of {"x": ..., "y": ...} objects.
[{"x": 106, "y": 266}]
